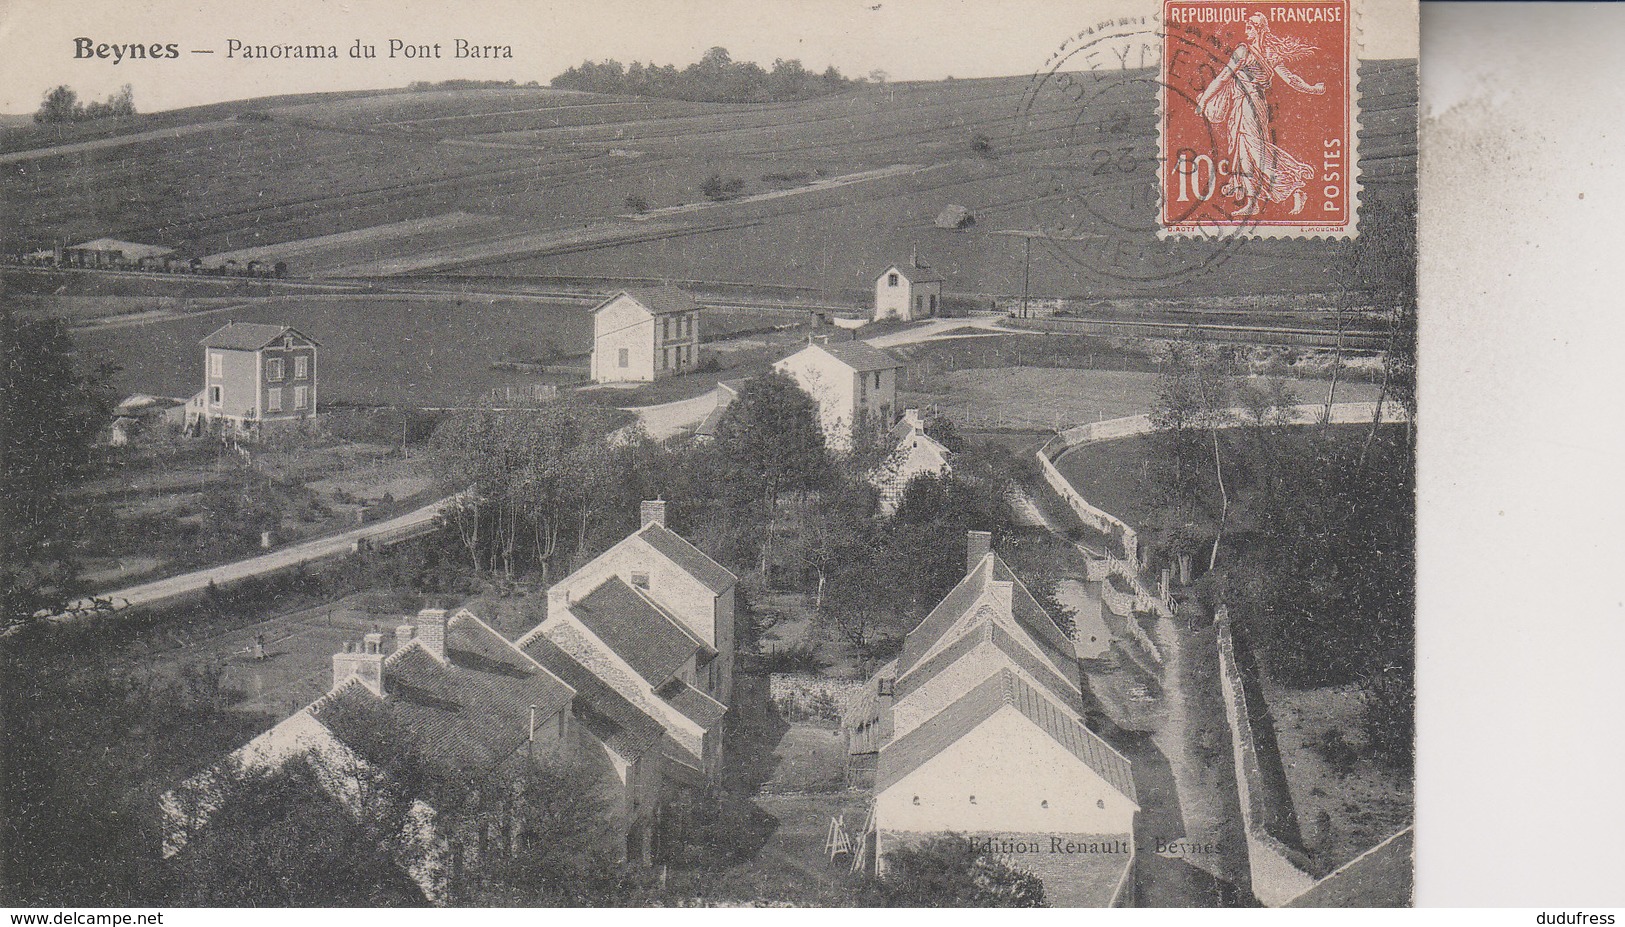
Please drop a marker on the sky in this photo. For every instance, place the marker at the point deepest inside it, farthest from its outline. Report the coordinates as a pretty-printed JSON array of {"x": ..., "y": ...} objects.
[{"x": 908, "y": 39}]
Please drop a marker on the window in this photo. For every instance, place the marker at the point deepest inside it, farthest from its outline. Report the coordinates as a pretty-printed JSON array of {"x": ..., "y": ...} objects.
[
  {"x": 933, "y": 303},
  {"x": 624, "y": 357},
  {"x": 301, "y": 397},
  {"x": 301, "y": 367},
  {"x": 273, "y": 399},
  {"x": 919, "y": 302},
  {"x": 665, "y": 327},
  {"x": 891, "y": 279},
  {"x": 214, "y": 395},
  {"x": 877, "y": 379},
  {"x": 217, "y": 364},
  {"x": 273, "y": 369}
]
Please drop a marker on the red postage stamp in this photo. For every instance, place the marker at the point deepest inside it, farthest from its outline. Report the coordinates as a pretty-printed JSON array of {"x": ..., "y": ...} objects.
[{"x": 1259, "y": 119}]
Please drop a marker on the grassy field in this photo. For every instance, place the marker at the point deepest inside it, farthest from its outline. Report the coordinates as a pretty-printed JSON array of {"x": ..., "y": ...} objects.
[
  {"x": 1342, "y": 809},
  {"x": 552, "y": 173},
  {"x": 426, "y": 351},
  {"x": 1052, "y": 398}
]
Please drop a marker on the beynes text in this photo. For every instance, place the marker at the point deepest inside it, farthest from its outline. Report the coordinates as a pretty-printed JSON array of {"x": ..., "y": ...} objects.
[{"x": 84, "y": 47}]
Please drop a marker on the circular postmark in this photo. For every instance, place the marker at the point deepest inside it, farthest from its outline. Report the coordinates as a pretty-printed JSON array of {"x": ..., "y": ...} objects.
[{"x": 1100, "y": 201}]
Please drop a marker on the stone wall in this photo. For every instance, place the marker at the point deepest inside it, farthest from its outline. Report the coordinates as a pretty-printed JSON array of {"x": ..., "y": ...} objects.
[
  {"x": 803, "y": 696},
  {"x": 1278, "y": 872}
]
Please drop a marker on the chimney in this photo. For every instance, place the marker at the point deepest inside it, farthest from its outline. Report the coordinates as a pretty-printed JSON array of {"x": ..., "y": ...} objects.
[
  {"x": 654, "y": 513},
  {"x": 431, "y": 631},
  {"x": 365, "y": 663},
  {"x": 1003, "y": 594},
  {"x": 911, "y": 417},
  {"x": 978, "y": 544},
  {"x": 404, "y": 634},
  {"x": 914, "y": 255}
]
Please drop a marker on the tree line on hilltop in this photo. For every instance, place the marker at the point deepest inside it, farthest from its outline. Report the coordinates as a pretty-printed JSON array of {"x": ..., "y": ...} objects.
[
  {"x": 715, "y": 78},
  {"x": 62, "y": 104}
]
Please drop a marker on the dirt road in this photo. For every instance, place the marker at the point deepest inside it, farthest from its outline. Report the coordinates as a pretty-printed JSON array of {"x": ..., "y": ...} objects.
[
  {"x": 315, "y": 549},
  {"x": 34, "y": 154}
]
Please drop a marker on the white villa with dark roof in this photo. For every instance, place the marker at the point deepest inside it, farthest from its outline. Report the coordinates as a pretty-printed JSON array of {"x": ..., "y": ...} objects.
[
  {"x": 641, "y": 335},
  {"x": 978, "y": 728},
  {"x": 255, "y": 376},
  {"x": 853, "y": 383}
]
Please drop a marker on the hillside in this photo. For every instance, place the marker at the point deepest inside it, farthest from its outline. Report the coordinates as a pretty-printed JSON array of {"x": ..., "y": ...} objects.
[{"x": 527, "y": 181}]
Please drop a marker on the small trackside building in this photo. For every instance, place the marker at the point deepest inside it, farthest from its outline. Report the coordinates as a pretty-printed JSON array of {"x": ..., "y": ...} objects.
[
  {"x": 255, "y": 376},
  {"x": 643, "y": 335},
  {"x": 907, "y": 291},
  {"x": 854, "y": 385}
]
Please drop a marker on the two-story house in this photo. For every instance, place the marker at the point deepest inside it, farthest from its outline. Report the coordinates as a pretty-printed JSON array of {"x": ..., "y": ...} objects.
[
  {"x": 644, "y": 334},
  {"x": 854, "y": 385},
  {"x": 255, "y": 376},
  {"x": 653, "y": 617},
  {"x": 907, "y": 291}
]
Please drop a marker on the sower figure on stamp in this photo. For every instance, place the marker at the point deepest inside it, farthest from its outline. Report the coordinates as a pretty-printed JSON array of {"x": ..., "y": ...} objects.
[{"x": 1236, "y": 99}]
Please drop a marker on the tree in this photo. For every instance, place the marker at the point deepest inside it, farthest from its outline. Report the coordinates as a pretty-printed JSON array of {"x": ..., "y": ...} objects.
[
  {"x": 950, "y": 872},
  {"x": 537, "y": 480},
  {"x": 561, "y": 849},
  {"x": 1195, "y": 391},
  {"x": 50, "y": 414},
  {"x": 278, "y": 838},
  {"x": 61, "y": 104},
  {"x": 771, "y": 435}
]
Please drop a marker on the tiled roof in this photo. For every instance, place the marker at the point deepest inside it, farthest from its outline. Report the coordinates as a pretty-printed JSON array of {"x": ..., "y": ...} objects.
[
  {"x": 861, "y": 356},
  {"x": 1064, "y": 688},
  {"x": 1029, "y": 615},
  {"x": 947, "y": 727},
  {"x": 690, "y": 558},
  {"x": 248, "y": 336},
  {"x": 606, "y": 713},
  {"x": 700, "y": 708},
  {"x": 867, "y": 722},
  {"x": 660, "y": 300},
  {"x": 132, "y": 250},
  {"x": 458, "y": 719},
  {"x": 913, "y": 273},
  {"x": 1381, "y": 877},
  {"x": 652, "y": 642}
]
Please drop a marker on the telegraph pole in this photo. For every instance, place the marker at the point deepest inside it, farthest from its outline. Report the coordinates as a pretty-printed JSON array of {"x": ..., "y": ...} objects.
[{"x": 1026, "y": 271}]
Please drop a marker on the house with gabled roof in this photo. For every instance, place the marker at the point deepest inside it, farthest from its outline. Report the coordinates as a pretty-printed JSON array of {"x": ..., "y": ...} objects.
[
  {"x": 913, "y": 454},
  {"x": 449, "y": 694},
  {"x": 853, "y": 383},
  {"x": 978, "y": 728},
  {"x": 641, "y": 335},
  {"x": 255, "y": 376},
  {"x": 907, "y": 290},
  {"x": 652, "y": 617}
]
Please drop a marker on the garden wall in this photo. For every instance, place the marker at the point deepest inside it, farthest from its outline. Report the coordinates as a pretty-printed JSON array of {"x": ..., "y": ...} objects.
[{"x": 1278, "y": 872}]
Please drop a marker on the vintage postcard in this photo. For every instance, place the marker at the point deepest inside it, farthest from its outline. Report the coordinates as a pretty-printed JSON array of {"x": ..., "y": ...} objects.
[{"x": 673, "y": 453}]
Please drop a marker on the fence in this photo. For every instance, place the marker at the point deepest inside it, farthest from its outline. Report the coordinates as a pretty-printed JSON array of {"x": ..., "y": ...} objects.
[{"x": 1278, "y": 872}]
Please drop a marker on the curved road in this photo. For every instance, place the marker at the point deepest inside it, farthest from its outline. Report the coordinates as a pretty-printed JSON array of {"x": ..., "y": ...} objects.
[{"x": 332, "y": 545}]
